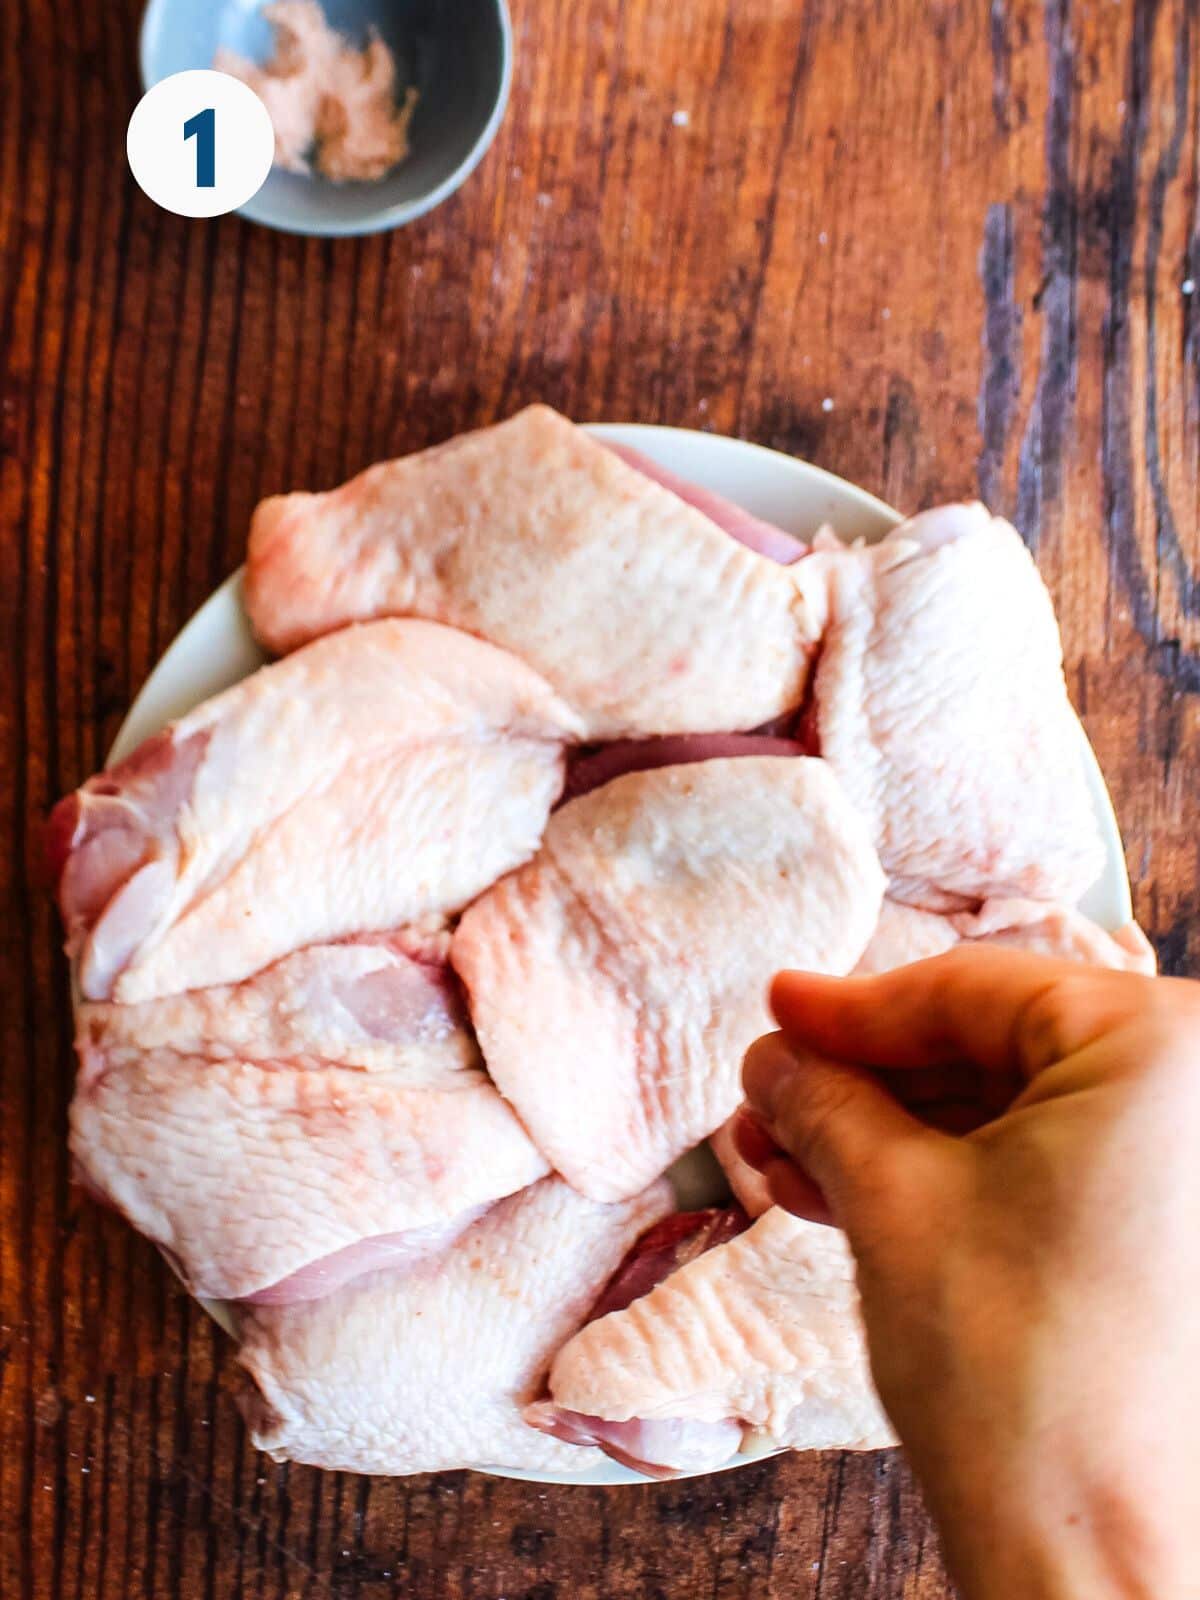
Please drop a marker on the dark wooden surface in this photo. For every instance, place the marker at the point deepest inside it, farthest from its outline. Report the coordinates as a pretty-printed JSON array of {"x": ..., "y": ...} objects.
[{"x": 968, "y": 227}]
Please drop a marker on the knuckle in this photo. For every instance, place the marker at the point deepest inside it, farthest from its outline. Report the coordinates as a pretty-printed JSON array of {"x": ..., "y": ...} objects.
[
  {"x": 949, "y": 975},
  {"x": 1053, "y": 1019},
  {"x": 953, "y": 963},
  {"x": 1074, "y": 1008}
]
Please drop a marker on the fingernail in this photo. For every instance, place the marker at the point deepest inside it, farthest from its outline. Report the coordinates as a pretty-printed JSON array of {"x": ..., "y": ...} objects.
[
  {"x": 791, "y": 991},
  {"x": 752, "y": 1141},
  {"x": 768, "y": 1066}
]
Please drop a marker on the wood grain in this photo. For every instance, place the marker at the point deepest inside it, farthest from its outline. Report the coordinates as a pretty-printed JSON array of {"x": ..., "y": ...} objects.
[{"x": 940, "y": 249}]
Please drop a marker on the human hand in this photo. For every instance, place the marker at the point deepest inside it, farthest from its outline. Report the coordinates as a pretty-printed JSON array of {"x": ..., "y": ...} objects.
[{"x": 1031, "y": 1287}]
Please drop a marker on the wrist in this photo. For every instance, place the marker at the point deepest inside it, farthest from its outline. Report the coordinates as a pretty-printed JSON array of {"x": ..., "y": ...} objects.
[
  {"x": 1045, "y": 1532},
  {"x": 1094, "y": 1546}
]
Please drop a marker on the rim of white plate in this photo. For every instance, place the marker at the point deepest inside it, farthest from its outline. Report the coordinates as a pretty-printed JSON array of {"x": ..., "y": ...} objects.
[{"x": 216, "y": 649}]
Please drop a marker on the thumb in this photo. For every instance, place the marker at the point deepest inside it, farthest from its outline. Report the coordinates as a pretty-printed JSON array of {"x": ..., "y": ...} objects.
[{"x": 841, "y": 1127}]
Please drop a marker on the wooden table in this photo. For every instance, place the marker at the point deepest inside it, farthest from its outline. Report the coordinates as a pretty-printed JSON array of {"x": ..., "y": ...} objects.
[{"x": 943, "y": 249}]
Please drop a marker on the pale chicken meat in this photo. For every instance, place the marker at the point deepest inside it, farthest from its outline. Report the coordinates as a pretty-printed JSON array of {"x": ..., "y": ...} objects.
[
  {"x": 375, "y": 1001},
  {"x": 280, "y": 1136},
  {"x": 382, "y": 775},
  {"x": 755, "y": 1341},
  {"x": 245, "y": 1174},
  {"x": 640, "y": 611},
  {"x": 428, "y": 1368},
  {"x": 658, "y": 1448},
  {"x": 615, "y": 981},
  {"x": 939, "y": 701},
  {"x": 906, "y": 933}
]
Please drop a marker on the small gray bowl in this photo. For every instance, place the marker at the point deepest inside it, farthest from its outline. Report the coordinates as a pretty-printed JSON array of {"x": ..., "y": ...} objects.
[{"x": 458, "y": 53}]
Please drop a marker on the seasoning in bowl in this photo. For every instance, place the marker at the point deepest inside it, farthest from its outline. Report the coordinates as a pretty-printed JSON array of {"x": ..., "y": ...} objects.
[{"x": 335, "y": 107}]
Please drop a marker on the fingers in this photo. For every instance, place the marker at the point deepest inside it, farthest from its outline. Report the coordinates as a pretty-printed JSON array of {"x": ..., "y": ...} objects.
[
  {"x": 796, "y": 1192},
  {"x": 841, "y": 1128},
  {"x": 752, "y": 1141},
  {"x": 787, "y": 1185},
  {"x": 1007, "y": 1010},
  {"x": 926, "y": 1091}
]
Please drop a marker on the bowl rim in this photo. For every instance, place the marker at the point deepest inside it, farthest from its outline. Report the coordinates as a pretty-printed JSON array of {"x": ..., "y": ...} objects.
[{"x": 154, "y": 17}]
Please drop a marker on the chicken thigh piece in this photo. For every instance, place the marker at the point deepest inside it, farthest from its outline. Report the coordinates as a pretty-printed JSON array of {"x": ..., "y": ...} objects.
[
  {"x": 906, "y": 933},
  {"x": 616, "y": 980},
  {"x": 755, "y": 1341},
  {"x": 640, "y": 611},
  {"x": 939, "y": 701},
  {"x": 282, "y": 1135},
  {"x": 381, "y": 1002},
  {"x": 428, "y": 1368},
  {"x": 383, "y": 774}
]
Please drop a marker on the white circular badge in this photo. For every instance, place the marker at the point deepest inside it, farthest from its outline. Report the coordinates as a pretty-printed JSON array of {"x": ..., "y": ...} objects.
[{"x": 200, "y": 143}]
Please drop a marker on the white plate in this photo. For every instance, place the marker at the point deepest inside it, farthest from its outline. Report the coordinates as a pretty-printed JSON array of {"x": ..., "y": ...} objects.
[{"x": 216, "y": 649}]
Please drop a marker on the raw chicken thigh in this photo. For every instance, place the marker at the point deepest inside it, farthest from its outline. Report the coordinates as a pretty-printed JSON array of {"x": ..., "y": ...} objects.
[
  {"x": 644, "y": 615},
  {"x": 939, "y": 701},
  {"x": 660, "y": 1448},
  {"x": 386, "y": 773},
  {"x": 285, "y": 1134},
  {"x": 429, "y": 1368},
  {"x": 378, "y": 1001},
  {"x": 616, "y": 980},
  {"x": 757, "y": 1339},
  {"x": 906, "y": 933}
]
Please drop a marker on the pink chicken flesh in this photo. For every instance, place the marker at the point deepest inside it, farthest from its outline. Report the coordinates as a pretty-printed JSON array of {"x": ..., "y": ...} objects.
[
  {"x": 641, "y": 612},
  {"x": 278, "y": 1137},
  {"x": 589, "y": 771},
  {"x": 429, "y": 1368},
  {"x": 615, "y": 980},
  {"x": 764, "y": 538},
  {"x": 906, "y": 933},
  {"x": 939, "y": 701},
  {"x": 376, "y": 1001},
  {"x": 659, "y": 1449},
  {"x": 664, "y": 1248},
  {"x": 381, "y": 775},
  {"x": 757, "y": 1340}
]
